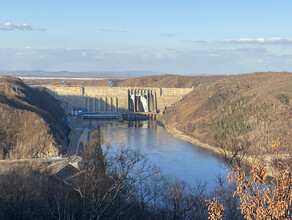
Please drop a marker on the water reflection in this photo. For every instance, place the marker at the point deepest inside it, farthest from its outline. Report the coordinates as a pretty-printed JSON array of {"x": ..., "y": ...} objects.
[{"x": 174, "y": 156}]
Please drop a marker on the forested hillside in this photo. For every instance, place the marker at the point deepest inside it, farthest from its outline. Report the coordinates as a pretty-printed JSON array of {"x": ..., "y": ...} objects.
[
  {"x": 31, "y": 122},
  {"x": 169, "y": 81},
  {"x": 241, "y": 113}
]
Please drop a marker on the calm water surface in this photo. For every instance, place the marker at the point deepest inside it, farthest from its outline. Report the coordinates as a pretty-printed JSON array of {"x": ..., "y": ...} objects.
[{"x": 174, "y": 156}]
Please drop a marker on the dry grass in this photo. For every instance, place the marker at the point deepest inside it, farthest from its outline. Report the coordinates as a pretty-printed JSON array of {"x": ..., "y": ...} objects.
[
  {"x": 70, "y": 82},
  {"x": 251, "y": 107},
  {"x": 31, "y": 122}
]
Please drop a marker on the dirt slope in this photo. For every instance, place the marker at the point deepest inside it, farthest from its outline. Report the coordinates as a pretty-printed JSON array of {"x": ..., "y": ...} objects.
[{"x": 31, "y": 122}]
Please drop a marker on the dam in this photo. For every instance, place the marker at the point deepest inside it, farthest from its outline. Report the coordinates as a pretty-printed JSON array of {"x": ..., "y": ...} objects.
[
  {"x": 173, "y": 156},
  {"x": 125, "y": 101}
]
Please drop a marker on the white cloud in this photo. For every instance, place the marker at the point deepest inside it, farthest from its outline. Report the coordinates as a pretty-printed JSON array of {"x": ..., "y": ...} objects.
[
  {"x": 109, "y": 30},
  {"x": 224, "y": 61},
  {"x": 197, "y": 41},
  {"x": 21, "y": 27},
  {"x": 213, "y": 54},
  {"x": 275, "y": 40},
  {"x": 20, "y": 53}
]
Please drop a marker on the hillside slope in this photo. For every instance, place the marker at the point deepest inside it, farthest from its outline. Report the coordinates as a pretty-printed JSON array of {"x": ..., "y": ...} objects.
[
  {"x": 249, "y": 109},
  {"x": 31, "y": 122},
  {"x": 72, "y": 82},
  {"x": 169, "y": 81}
]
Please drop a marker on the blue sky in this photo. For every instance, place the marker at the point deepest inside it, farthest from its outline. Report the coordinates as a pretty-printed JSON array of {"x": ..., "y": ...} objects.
[{"x": 171, "y": 36}]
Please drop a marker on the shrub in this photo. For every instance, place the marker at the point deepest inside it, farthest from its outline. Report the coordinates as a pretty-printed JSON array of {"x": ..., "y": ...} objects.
[{"x": 284, "y": 98}]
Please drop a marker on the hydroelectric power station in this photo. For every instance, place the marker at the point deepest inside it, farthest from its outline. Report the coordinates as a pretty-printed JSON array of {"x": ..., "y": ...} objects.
[{"x": 126, "y": 102}]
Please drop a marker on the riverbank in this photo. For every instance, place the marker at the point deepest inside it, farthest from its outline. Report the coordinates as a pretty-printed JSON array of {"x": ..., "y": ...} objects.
[
  {"x": 178, "y": 134},
  {"x": 248, "y": 161}
]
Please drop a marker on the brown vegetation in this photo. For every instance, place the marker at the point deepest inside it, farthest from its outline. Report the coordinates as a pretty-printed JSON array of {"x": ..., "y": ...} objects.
[
  {"x": 238, "y": 114},
  {"x": 72, "y": 82},
  {"x": 169, "y": 81},
  {"x": 116, "y": 185},
  {"x": 260, "y": 198},
  {"x": 215, "y": 210},
  {"x": 31, "y": 122}
]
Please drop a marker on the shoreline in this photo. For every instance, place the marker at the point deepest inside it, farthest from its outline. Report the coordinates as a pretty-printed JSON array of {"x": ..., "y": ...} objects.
[
  {"x": 180, "y": 135},
  {"x": 247, "y": 161}
]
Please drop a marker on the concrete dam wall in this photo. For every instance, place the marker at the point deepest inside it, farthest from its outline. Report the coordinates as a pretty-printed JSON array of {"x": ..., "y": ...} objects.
[{"x": 122, "y": 100}]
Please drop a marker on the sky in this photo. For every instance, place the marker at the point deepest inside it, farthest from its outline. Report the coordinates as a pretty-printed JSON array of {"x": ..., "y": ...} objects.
[{"x": 169, "y": 36}]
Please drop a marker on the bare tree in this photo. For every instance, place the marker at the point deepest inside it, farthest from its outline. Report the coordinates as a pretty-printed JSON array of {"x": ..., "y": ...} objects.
[
  {"x": 181, "y": 201},
  {"x": 234, "y": 150},
  {"x": 224, "y": 194},
  {"x": 107, "y": 178}
]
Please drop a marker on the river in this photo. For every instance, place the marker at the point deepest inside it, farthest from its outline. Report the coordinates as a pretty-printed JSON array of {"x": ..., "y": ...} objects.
[{"x": 175, "y": 157}]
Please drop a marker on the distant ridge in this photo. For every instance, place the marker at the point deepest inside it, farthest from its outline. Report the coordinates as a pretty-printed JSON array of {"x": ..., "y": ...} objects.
[{"x": 89, "y": 74}]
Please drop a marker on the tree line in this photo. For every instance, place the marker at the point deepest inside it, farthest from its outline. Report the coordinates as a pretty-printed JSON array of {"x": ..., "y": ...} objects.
[
  {"x": 121, "y": 184},
  {"x": 109, "y": 184}
]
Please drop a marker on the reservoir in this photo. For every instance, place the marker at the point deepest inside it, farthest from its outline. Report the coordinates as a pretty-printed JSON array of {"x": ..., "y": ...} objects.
[{"x": 173, "y": 156}]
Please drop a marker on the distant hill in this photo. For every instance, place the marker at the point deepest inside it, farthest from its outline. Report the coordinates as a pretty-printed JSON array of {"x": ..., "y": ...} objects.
[
  {"x": 249, "y": 110},
  {"x": 169, "y": 81},
  {"x": 241, "y": 110},
  {"x": 68, "y": 74},
  {"x": 31, "y": 122},
  {"x": 73, "y": 82}
]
